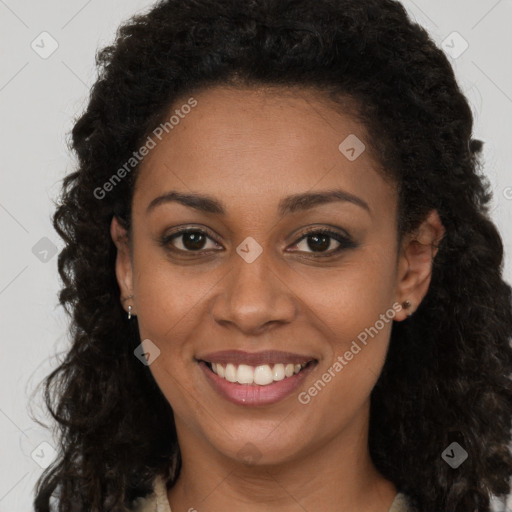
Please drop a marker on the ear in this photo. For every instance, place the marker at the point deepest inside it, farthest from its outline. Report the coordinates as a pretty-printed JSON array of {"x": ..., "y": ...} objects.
[
  {"x": 417, "y": 253},
  {"x": 124, "y": 271}
]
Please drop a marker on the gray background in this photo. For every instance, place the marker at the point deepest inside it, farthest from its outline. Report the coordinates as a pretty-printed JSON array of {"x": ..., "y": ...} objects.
[{"x": 40, "y": 94}]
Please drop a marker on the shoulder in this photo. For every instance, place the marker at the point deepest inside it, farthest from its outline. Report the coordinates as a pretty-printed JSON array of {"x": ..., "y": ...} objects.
[
  {"x": 156, "y": 501},
  {"x": 402, "y": 503}
]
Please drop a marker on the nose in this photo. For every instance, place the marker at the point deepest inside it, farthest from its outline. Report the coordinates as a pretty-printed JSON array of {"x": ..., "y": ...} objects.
[{"x": 254, "y": 296}]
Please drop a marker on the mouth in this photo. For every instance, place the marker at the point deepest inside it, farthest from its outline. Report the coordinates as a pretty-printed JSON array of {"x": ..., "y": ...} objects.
[{"x": 249, "y": 379}]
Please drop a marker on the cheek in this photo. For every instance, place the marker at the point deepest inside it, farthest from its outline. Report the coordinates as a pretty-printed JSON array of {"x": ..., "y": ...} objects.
[
  {"x": 168, "y": 308},
  {"x": 168, "y": 303},
  {"x": 167, "y": 294},
  {"x": 343, "y": 386},
  {"x": 352, "y": 297},
  {"x": 357, "y": 309}
]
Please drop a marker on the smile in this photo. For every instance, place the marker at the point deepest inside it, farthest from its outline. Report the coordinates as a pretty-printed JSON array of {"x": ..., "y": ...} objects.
[{"x": 252, "y": 379}]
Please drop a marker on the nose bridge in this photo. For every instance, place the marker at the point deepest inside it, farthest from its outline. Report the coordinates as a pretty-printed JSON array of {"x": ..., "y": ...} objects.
[{"x": 253, "y": 294}]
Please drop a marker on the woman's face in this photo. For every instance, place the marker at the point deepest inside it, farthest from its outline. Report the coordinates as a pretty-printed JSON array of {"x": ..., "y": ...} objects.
[{"x": 246, "y": 287}]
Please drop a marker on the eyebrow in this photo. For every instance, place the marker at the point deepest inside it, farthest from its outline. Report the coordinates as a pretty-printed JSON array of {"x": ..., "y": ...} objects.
[{"x": 290, "y": 204}]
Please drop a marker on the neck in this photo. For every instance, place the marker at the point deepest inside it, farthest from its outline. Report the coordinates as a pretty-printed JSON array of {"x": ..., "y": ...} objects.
[{"x": 335, "y": 475}]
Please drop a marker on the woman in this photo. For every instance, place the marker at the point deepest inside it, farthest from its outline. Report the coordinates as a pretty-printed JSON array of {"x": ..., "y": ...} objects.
[{"x": 285, "y": 288}]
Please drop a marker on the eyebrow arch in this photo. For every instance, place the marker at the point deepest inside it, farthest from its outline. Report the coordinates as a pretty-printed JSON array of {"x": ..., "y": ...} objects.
[
  {"x": 290, "y": 204},
  {"x": 299, "y": 202}
]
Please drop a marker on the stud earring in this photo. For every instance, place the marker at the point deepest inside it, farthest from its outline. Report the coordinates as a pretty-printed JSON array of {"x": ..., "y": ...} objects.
[{"x": 406, "y": 304}]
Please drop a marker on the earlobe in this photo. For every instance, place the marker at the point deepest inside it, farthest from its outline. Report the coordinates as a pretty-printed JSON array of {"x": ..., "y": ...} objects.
[
  {"x": 123, "y": 266},
  {"x": 415, "y": 263}
]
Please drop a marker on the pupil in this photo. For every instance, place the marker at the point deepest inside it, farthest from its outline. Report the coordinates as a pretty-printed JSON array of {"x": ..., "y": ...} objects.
[
  {"x": 320, "y": 242},
  {"x": 193, "y": 240}
]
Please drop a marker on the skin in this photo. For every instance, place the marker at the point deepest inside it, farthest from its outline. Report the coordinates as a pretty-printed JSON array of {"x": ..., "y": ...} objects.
[{"x": 249, "y": 148}]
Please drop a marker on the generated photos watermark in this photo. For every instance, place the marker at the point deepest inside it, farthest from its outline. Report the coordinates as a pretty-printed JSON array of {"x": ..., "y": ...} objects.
[
  {"x": 342, "y": 360},
  {"x": 149, "y": 144}
]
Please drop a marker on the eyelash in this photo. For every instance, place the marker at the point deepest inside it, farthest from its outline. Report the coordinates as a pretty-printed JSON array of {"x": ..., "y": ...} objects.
[{"x": 344, "y": 241}]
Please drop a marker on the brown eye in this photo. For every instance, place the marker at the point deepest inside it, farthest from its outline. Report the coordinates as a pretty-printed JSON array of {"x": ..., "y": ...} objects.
[
  {"x": 319, "y": 242},
  {"x": 323, "y": 242},
  {"x": 193, "y": 241},
  {"x": 190, "y": 241}
]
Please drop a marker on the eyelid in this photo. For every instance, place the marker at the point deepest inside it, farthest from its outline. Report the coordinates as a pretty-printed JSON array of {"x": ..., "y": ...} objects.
[{"x": 335, "y": 231}]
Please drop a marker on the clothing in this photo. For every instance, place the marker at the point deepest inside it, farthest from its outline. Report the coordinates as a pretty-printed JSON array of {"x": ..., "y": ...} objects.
[{"x": 158, "y": 502}]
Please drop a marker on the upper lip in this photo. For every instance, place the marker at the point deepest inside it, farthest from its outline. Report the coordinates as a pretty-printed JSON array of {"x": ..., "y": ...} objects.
[{"x": 254, "y": 358}]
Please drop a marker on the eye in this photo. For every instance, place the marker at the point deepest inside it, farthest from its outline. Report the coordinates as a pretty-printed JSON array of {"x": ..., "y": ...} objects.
[
  {"x": 190, "y": 240},
  {"x": 323, "y": 241}
]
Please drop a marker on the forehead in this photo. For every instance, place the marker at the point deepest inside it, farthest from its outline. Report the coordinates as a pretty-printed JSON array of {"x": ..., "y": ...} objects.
[{"x": 245, "y": 144}]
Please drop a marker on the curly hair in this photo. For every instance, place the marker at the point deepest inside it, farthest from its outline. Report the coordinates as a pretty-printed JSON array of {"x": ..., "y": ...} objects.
[{"x": 447, "y": 374}]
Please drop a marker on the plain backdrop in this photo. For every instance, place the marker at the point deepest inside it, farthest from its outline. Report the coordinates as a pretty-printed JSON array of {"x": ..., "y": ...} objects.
[{"x": 46, "y": 70}]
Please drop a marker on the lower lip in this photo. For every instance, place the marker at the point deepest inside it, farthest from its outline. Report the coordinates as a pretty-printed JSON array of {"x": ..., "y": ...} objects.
[{"x": 251, "y": 394}]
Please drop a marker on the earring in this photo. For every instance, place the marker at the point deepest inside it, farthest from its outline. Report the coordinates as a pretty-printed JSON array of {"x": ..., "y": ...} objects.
[
  {"x": 406, "y": 304},
  {"x": 129, "y": 307}
]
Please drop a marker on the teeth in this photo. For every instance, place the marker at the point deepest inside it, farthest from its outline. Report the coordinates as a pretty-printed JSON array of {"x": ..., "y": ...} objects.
[
  {"x": 278, "y": 372},
  {"x": 263, "y": 375},
  {"x": 260, "y": 375},
  {"x": 245, "y": 374},
  {"x": 230, "y": 373}
]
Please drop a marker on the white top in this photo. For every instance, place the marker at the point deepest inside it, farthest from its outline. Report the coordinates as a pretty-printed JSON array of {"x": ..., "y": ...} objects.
[
  {"x": 155, "y": 502},
  {"x": 158, "y": 502}
]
